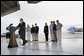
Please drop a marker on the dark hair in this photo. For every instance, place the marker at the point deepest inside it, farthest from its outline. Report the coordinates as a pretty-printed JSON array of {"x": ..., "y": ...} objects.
[
  {"x": 51, "y": 21},
  {"x": 21, "y": 19},
  {"x": 35, "y": 23},
  {"x": 57, "y": 20},
  {"x": 32, "y": 25},
  {"x": 45, "y": 22}
]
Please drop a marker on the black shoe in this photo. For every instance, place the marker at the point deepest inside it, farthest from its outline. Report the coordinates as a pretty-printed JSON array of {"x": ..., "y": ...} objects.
[
  {"x": 46, "y": 40},
  {"x": 26, "y": 41},
  {"x": 53, "y": 41},
  {"x": 23, "y": 44}
]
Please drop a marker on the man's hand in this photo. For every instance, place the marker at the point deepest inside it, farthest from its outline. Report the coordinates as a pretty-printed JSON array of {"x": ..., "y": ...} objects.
[{"x": 18, "y": 27}]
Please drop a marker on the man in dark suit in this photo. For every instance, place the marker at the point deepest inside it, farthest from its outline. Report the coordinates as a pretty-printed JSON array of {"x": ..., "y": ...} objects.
[
  {"x": 46, "y": 31},
  {"x": 36, "y": 32},
  {"x": 22, "y": 31}
]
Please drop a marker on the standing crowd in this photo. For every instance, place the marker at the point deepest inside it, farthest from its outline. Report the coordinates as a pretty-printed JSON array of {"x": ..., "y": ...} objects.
[
  {"x": 55, "y": 31},
  {"x": 34, "y": 31}
]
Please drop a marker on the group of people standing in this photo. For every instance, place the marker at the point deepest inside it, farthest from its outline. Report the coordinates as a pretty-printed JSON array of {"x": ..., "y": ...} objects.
[
  {"x": 55, "y": 31},
  {"x": 34, "y": 31}
]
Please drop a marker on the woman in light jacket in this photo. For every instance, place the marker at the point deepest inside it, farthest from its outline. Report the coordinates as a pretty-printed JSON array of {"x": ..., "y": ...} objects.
[{"x": 28, "y": 33}]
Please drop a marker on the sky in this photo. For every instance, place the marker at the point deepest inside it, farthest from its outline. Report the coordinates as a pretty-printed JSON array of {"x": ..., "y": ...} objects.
[{"x": 69, "y": 13}]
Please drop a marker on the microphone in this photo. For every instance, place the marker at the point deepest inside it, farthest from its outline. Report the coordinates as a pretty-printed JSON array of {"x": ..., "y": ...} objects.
[{"x": 11, "y": 24}]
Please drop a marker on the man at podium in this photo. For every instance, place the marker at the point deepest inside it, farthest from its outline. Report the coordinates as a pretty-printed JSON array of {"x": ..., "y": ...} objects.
[{"x": 22, "y": 31}]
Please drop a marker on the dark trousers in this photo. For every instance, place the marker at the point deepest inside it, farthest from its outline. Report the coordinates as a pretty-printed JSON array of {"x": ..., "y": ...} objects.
[
  {"x": 22, "y": 36},
  {"x": 46, "y": 36}
]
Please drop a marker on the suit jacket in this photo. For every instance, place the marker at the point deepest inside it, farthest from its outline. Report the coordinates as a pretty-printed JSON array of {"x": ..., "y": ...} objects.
[
  {"x": 54, "y": 27},
  {"x": 36, "y": 29},
  {"x": 22, "y": 27},
  {"x": 45, "y": 29},
  {"x": 33, "y": 30}
]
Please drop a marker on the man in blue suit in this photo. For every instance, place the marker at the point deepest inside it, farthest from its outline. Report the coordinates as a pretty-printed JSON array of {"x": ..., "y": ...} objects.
[{"x": 54, "y": 31}]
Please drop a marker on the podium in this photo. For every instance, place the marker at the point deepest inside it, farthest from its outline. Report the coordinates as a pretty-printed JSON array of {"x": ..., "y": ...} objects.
[{"x": 12, "y": 41}]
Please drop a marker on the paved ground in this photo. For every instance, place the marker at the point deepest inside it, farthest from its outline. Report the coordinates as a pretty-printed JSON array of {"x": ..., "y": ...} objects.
[{"x": 72, "y": 46}]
